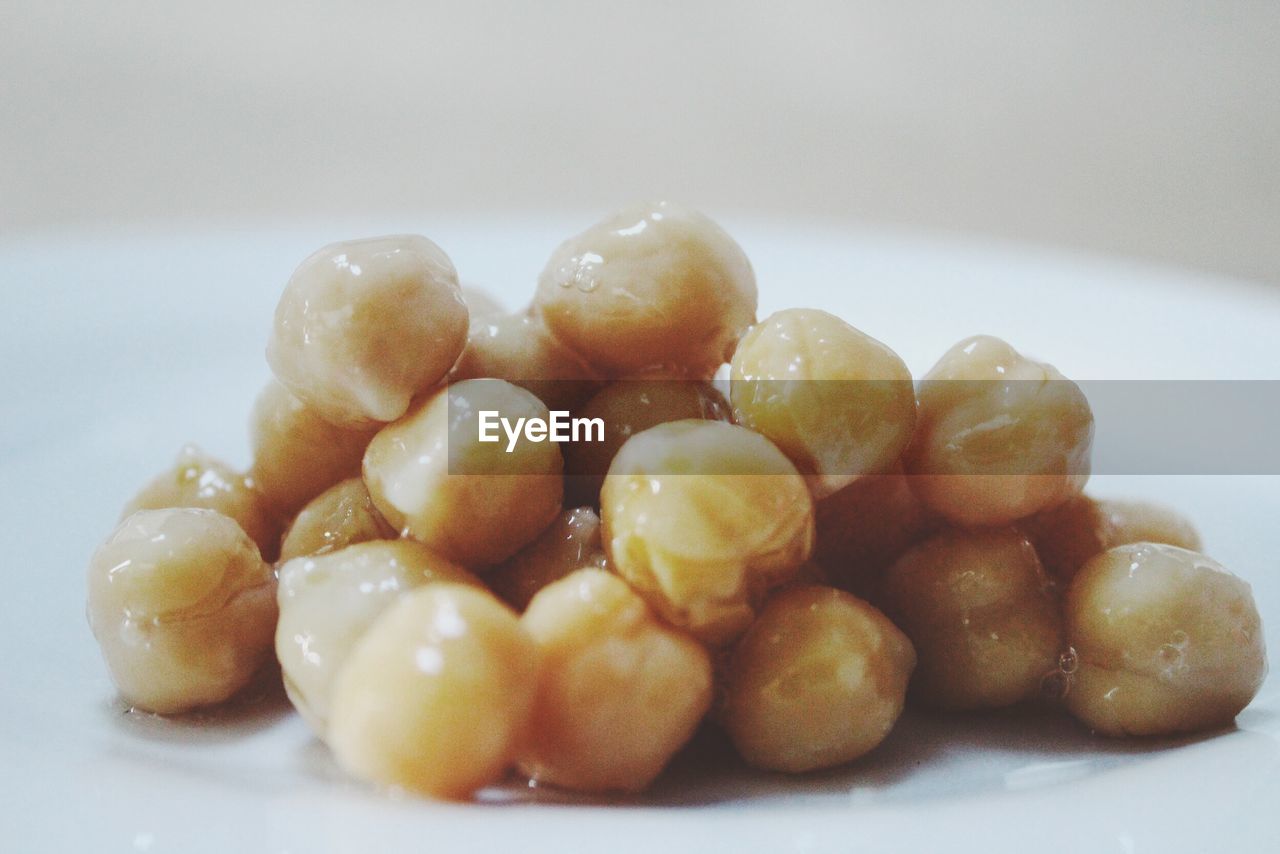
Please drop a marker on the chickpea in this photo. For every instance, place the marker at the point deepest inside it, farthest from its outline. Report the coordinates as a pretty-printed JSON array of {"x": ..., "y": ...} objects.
[
  {"x": 198, "y": 480},
  {"x": 183, "y": 607},
  {"x": 482, "y": 306},
  {"x": 654, "y": 284},
  {"x": 818, "y": 680},
  {"x": 327, "y": 603},
  {"x": 628, "y": 407},
  {"x": 437, "y": 694},
  {"x": 519, "y": 349},
  {"x": 365, "y": 325},
  {"x": 620, "y": 692},
  {"x": 1165, "y": 641},
  {"x": 471, "y": 501},
  {"x": 1145, "y": 522},
  {"x": 979, "y": 609},
  {"x": 297, "y": 454},
  {"x": 999, "y": 436},
  {"x": 703, "y": 519},
  {"x": 571, "y": 542},
  {"x": 836, "y": 401},
  {"x": 341, "y": 516}
]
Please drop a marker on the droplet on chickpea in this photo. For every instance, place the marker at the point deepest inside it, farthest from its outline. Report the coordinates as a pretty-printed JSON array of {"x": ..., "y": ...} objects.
[{"x": 570, "y": 543}]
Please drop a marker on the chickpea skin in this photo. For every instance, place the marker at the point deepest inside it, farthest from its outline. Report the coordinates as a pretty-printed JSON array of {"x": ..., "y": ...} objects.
[
  {"x": 341, "y": 516},
  {"x": 365, "y": 325},
  {"x": 183, "y": 608},
  {"x": 470, "y": 501},
  {"x": 817, "y": 681},
  {"x": 980, "y": 611},
  {"x": 437, "y": 694},
  {"x": 703, "y": 518},
  {"x": 1165, "y": 639},
  {"x": 655, "y": 284},
  {"x": 620, "y": 691},
  {"x": 836, "y": 401},
  {"x": 571, "y": 542},
  {"x": 999, "y": 436}
]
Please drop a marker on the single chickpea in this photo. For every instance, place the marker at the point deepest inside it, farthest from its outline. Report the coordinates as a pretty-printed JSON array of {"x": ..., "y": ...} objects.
[
  {"x": 703, "y": 518},
  {"x": 183, "y": 607},
  {"x": 817, "y": 681},
  {"x": 980, "y": 611},
  {"x": 297, "y": 454},
  {"x": 571, "y": 542},
  {"x": 628, "y": 407},
  {"x": 473, "y": 502},
  {"x": 198, "y": 480},
  {"x": 654, "y": 284},
  {"x": 327, "y": 603},
  {"x": 1165, "y": 640},
  {"x": 341, "y": 516},
  {"x": 437, "y": 694},
  {"x": 365, "y": 325},
  {"x": 836, "y": 401},
  {"x": 999, "y": 436},
  {"x": 620, "y": 691},
  {"x": 1145, "y": 522}
]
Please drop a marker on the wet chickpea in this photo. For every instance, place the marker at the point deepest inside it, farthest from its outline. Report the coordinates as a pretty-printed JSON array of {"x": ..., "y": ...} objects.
[
  {"x": 482, "y": 306},
  {"x": 1146, "y": 522},
  {"x": 979, "y": 609},
  {"x": 999, "y": 436},
  {"x": 327, "y": 603},
  {"x": 296, "y": 453},
  {"x": 628, "y": 407},
  {"x": 654, "y": 284},
  {"x": 363, "y": 326},
  {"x": 703, "y": 518},
  {"x": 341, "y": 516},
  {"x": 198, "y": 480},
  {"x": 818, "y": 680},
  {"x": 836, "y": 401},
  {"x": 620, "y": 691},
  {"x": 470, "y": 501},
  {"x": 437, "y": 694},
  {"x": 1165, "y": 641},
  {"x": 571, "y": 542},
  {"x": 183, "y": 608}
]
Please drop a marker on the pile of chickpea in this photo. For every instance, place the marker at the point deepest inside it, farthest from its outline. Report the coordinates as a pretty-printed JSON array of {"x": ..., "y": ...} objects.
[{"x": 790, "y": 566}]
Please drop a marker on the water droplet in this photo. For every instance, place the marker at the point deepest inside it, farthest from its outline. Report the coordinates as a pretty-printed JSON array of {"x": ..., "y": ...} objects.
[
  {"x": 1054, "y": 685},
  {"x": 1068, "y": 661}
]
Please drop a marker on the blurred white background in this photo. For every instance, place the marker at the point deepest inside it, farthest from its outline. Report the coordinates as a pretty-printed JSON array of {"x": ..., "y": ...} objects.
[{"x": 1145, "y": 129}]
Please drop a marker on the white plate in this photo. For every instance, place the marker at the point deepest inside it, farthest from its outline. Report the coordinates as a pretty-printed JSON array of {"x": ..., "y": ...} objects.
[{"x": 119, "y": 347}]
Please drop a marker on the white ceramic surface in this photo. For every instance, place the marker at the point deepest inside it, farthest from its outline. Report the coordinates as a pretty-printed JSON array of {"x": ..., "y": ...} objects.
[{"x": 117, "y": 348}]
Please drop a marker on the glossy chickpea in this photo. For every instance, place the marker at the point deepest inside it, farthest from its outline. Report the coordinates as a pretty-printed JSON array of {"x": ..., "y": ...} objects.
[
  {"x": 482, "y": 306},
  {"x": 473, "y": 502},
  {"x": 836, "y": 401},
  {"x": 341, "y": 516},
  {"x": 327, "y": 603},
  {"x": 620, "y": 691},
  {"x": 1145, "y": 522},
  {"x": 1165, "y": 641},
  {"x": 999, "y": 436},
  {"x": 363, "y": 326},
  {"x": 437, "y": 694},
  {"x": 703, "y": 519},
  {"x": 183, "y": 608},
  {"x": 818, "y": 680},
  {"x": 654, "y": 284},
  {"x": 980, "y": 611},
  {"x": 570, "y": 543}
]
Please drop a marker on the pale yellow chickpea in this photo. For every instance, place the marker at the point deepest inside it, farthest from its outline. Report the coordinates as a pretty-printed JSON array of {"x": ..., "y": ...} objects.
[
  {"x": 198, "y": 480},
  {"x": 437, "y": 694},
  {"x": 183, "y": 608},
  {"x": 980, "y": 610},
  {"x": 296, "y": 453},
  {"x": 482, "y": 306},
  {"x": 999, "y": 436},
  {"x": 703, "y": 518},
  {"x": 836, "y": 401},
  {"x": 327, "y": 603},
  {"x": 341, "y": 516},
  {"x": 473, "y": 502},
  {"x": 628, "y": 407},
  {"x": 1146, "y": 522},
  {"x": 654, "y": 284},
  {"x": 1165, "y": 640},
  {"x": 571, "y": 542},
  {"x": 363, "y": 326},
  {"x": 620, "y": 691},
  {"x": 817, "y": 681}
]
